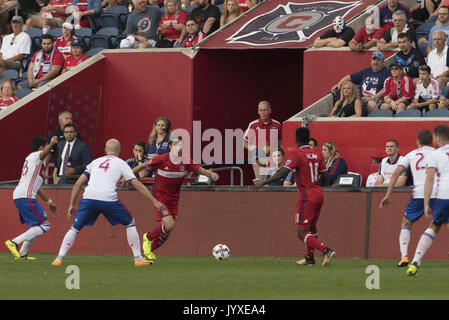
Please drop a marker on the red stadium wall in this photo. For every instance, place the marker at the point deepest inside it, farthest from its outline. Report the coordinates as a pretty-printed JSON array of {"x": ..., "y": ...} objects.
[{"x": 251, "y": 224}]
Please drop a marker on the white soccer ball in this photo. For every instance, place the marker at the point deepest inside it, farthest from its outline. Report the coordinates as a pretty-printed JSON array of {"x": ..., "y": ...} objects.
[{"x": 221, "y": 252}]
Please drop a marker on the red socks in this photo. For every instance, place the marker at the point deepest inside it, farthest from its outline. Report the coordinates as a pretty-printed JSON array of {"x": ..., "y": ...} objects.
[
  {"x": 157, "y": 237},
  {"x": 313, "y": 243}
]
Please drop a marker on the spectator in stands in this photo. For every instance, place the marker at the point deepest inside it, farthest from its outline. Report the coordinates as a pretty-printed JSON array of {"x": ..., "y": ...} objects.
[
  {"x": 76, "y": 58},
  {"x": 4, "y": 16},
  {"x": 207, "y": 17},
  {"x": 370, "y": 80},
  {"x": 390, "y": 39},
  {"x": 72, "y": 155},
  {"x": 277, "y": 160},
  {"x": 399, "y": 89},
  {"x": 427, "y": 91},
  {"x": 337, "y": 37},
  {"x": 410, "y": 58},
  {"x": 159, "y": 138},
  {"x": 386, "y": 13},
  {"x": 7, "y": 94},
  {"x": 91, "y": 13},
  {"x": 45, "y": 65},
  {"x": 424, "y": 29},
  {"x": 64, "y": 117},
  {"x": 138, "y": 157},
  {"x": 335, "y": 164},
  {"x": 262, "y": 135},
  {"x": 64, "y": 43},
  {"x": 142, "y": 25},
  {"x": 193, "y": 36},
  {"x": 171, "y": 25},
  {"x": 231, "y": 11},
  {"x": 423, "y": 9},
  {"x": 438, "y": 58},
  {"x": 15, "y": 46},
  {"x": 52, "y": 15},
  {"x": 367, "y": 36},
  {"x": 388, "y": 165},
  {"x": 313, "y": 143},
  {"x": 426, "y": 45},
  {"x": 348, "y": 105}
]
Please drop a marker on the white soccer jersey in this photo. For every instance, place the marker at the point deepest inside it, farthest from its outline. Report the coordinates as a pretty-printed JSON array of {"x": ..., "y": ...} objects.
[
  {"x": 432, "y": 90},
  {"x": 32, "y": 177},
  {"x": 439, "y": 159},
  {"x": 104, "y": 173},
  {"x": 386, "y": 169},
  {"x": 416, "y": 160}
]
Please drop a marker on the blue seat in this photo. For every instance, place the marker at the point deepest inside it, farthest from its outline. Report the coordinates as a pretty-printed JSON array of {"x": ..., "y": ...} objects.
[
  {"x": 109, "y": 20},
  {"x": 437, "y": 113},
  {"x": 20, "y": 93},
  {"x": 381, "y": 113},
  {"x": 10, "y": 74},
  {"x": 55, "y": 33},
  {"x": 94, "y": 51},
  {"x": 114, "y": 17},
  {"x": 105, "y": 38},
  {"x": 409, "y": 113},
  {"x": 35, "y": 35},
  {"x": 84, "y": 34}
]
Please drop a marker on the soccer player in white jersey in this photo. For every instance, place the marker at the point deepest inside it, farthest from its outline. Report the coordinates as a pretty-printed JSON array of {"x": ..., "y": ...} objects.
[
  {"x": 416, "y": 160},
  {"x": 31, "y": 212},
  {"x": 437, "y": 169},
  {"x": 389, "y": 164},
  {"x": 100, "y": 196}
]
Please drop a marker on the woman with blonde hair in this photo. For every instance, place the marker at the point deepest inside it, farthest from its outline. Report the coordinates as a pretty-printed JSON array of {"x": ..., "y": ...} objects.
[
  {"x": 159, "y": 138},
  {"x": 335, "y": 164},
  {"x": 348, "y": 105},
  {"x": 7, "y": 94},
  {"x": 231, "y": 11},
  {"x": 171, "y": 25}
]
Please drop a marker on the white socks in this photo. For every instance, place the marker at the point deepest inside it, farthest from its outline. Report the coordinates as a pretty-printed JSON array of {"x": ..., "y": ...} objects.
[
  {"x": 31, "y": 233},
  {"x": 404, "y": 240},
  {"x": 25, "y": 246},
  {"x": 67, "y": 243},
  {"x": 134, "y": 241},
  {"x": 424, "y": 243}
]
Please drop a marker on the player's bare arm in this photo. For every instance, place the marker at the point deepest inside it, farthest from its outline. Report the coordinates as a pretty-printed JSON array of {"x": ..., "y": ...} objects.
[
  {"x": 47, "y": 149},
  {"x": 394, "y": 178},
  {"x": 277, "y": 176},
  {"x": 428, "y": 185},
  {"x": 44, "y": 197},
  {"x": 209, "y": 173},
  {"x": 83, "y": 179},
  {"x": 144, "y": 191}
]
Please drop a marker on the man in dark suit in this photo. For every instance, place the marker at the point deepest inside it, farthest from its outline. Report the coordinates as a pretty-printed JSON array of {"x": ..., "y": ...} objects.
[{"x": 72, "y": 155}]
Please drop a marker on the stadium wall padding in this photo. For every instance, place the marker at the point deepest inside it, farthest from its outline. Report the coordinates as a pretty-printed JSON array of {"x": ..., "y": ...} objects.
[{"x": 251, "y": 224}]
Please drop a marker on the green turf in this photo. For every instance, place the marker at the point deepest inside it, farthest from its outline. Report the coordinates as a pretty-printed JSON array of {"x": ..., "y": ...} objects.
[{"x": 252, "y": 278}]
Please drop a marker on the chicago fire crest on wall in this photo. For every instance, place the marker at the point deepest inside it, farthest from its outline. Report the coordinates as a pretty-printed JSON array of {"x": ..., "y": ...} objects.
[{"x": 292, "y": 22}]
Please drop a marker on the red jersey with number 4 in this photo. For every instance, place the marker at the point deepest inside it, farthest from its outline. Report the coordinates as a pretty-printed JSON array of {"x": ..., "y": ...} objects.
[
  {"x": 169, "y": 177},
  {"x": 307, "y": 163}
]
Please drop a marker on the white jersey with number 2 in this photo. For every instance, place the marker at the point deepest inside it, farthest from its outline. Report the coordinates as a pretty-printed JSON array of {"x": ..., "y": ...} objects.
[{"x": 104, "y": 173}]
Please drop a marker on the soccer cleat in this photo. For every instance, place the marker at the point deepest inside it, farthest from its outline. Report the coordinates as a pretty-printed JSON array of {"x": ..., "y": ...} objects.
[
  {"x": 307, "y": 261},
  {"x": 143, "y": 262},
  {"x": 146, "y": 245},
  {"x": 412, "y": 270},
  {"x": 26, "y": 257},
  {"x": 12, "y": 247},
  {"x": 57, "y": 262},
  {"x": 404, "y": 262},
  {"x": 328, "y": 254}
]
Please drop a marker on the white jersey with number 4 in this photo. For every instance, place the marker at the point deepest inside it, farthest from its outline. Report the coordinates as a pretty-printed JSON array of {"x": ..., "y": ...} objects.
[
  {"x": 416, "y": 160},
  {"x": 439, "y": 159},
  {"x": 103, "y": 174},
  {"x": 32, "y": 177}
]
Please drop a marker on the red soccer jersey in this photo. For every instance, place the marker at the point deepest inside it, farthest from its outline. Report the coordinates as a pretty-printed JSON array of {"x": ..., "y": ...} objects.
[
  {"x": 169, "y": 177},
  {"x": 363, "y": 37},
  {"x": 191, "y": 41},
  {"x": 405, "y": 87},
  {"x": 7, "y": 102},
  {"x": 47, "y": 62},
  {"x": 72, "y": 62},
  {"x": 243, "y": 5},
  {"x": 265, "y": 131},
  {"x": 62, "y": 4},
  {"x": 170, "y": 32},
  {"x": 307, "y": 163},
  {"x": 64, "y": 46}
]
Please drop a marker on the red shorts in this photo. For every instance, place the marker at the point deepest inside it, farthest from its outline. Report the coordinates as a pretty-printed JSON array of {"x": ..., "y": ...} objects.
[
  {"x": 172, "y": 210},
  {"x": 307, "y": 213}
]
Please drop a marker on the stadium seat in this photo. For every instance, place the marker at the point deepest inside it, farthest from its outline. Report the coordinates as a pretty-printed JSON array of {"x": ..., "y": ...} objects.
[
  {"x": 437, "y": 113},
  {"x": 409, "y": 113},
  {"x": 105, "y": 38},
  {"x": 94, "y": 51},
  {"x": 114, "y": 17},
  {"x": 35, "y": 35},
  {"x": 381, "y": 113},
  {"x": 84, "y": 34},
  {"x": 20, "y": 93},
  {"x": 55, "y": 33},
  {"x": 10, "y": 74}
]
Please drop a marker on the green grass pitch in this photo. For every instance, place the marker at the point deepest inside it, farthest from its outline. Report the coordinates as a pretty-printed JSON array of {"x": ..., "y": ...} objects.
[{"x": 203, "y": 278}]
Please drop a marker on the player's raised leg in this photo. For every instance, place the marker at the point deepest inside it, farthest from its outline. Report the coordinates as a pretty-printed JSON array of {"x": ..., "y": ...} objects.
[
  {"x": 309, "y": 258},
  {"x": 154, "y": 239}
]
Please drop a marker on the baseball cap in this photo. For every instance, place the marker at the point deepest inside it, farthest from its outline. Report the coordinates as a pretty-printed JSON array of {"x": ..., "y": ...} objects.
[
  {"x": 17, "y": 19},
  {"x": 395, "y": 64},
  {"x": 76, "y": 43},
  {"x": 378, "y": 55}
]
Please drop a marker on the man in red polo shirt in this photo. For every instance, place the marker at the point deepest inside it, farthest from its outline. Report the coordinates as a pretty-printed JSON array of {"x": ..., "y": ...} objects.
[{"x": 261, "y": 135}]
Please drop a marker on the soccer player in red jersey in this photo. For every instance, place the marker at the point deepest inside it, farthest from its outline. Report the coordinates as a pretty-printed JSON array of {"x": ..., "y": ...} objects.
[
  {"x": 170, "y": 172},
  {"x": 309, "y": 169}
]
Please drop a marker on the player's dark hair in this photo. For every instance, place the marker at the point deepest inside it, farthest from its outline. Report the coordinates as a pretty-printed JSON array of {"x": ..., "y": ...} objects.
[
  {"x": 140, "y": 144},
  {"x": 425, "y": 137},
  {"x": 302, "y": 135},
  {"x": 394, "y": 141},
  {"x": 280, "y": 150},
  {"x": 37, "y": 142},
  {"x": 403, "y": 35},
  {"x": 70, "y": 125},
  {"x": 442, "y": 131}
]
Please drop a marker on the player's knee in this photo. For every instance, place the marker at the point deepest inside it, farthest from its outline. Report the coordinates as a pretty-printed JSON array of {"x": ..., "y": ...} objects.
[
  {"x": 45, "y": 227},
  {"x": 301, "y": 233}
]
